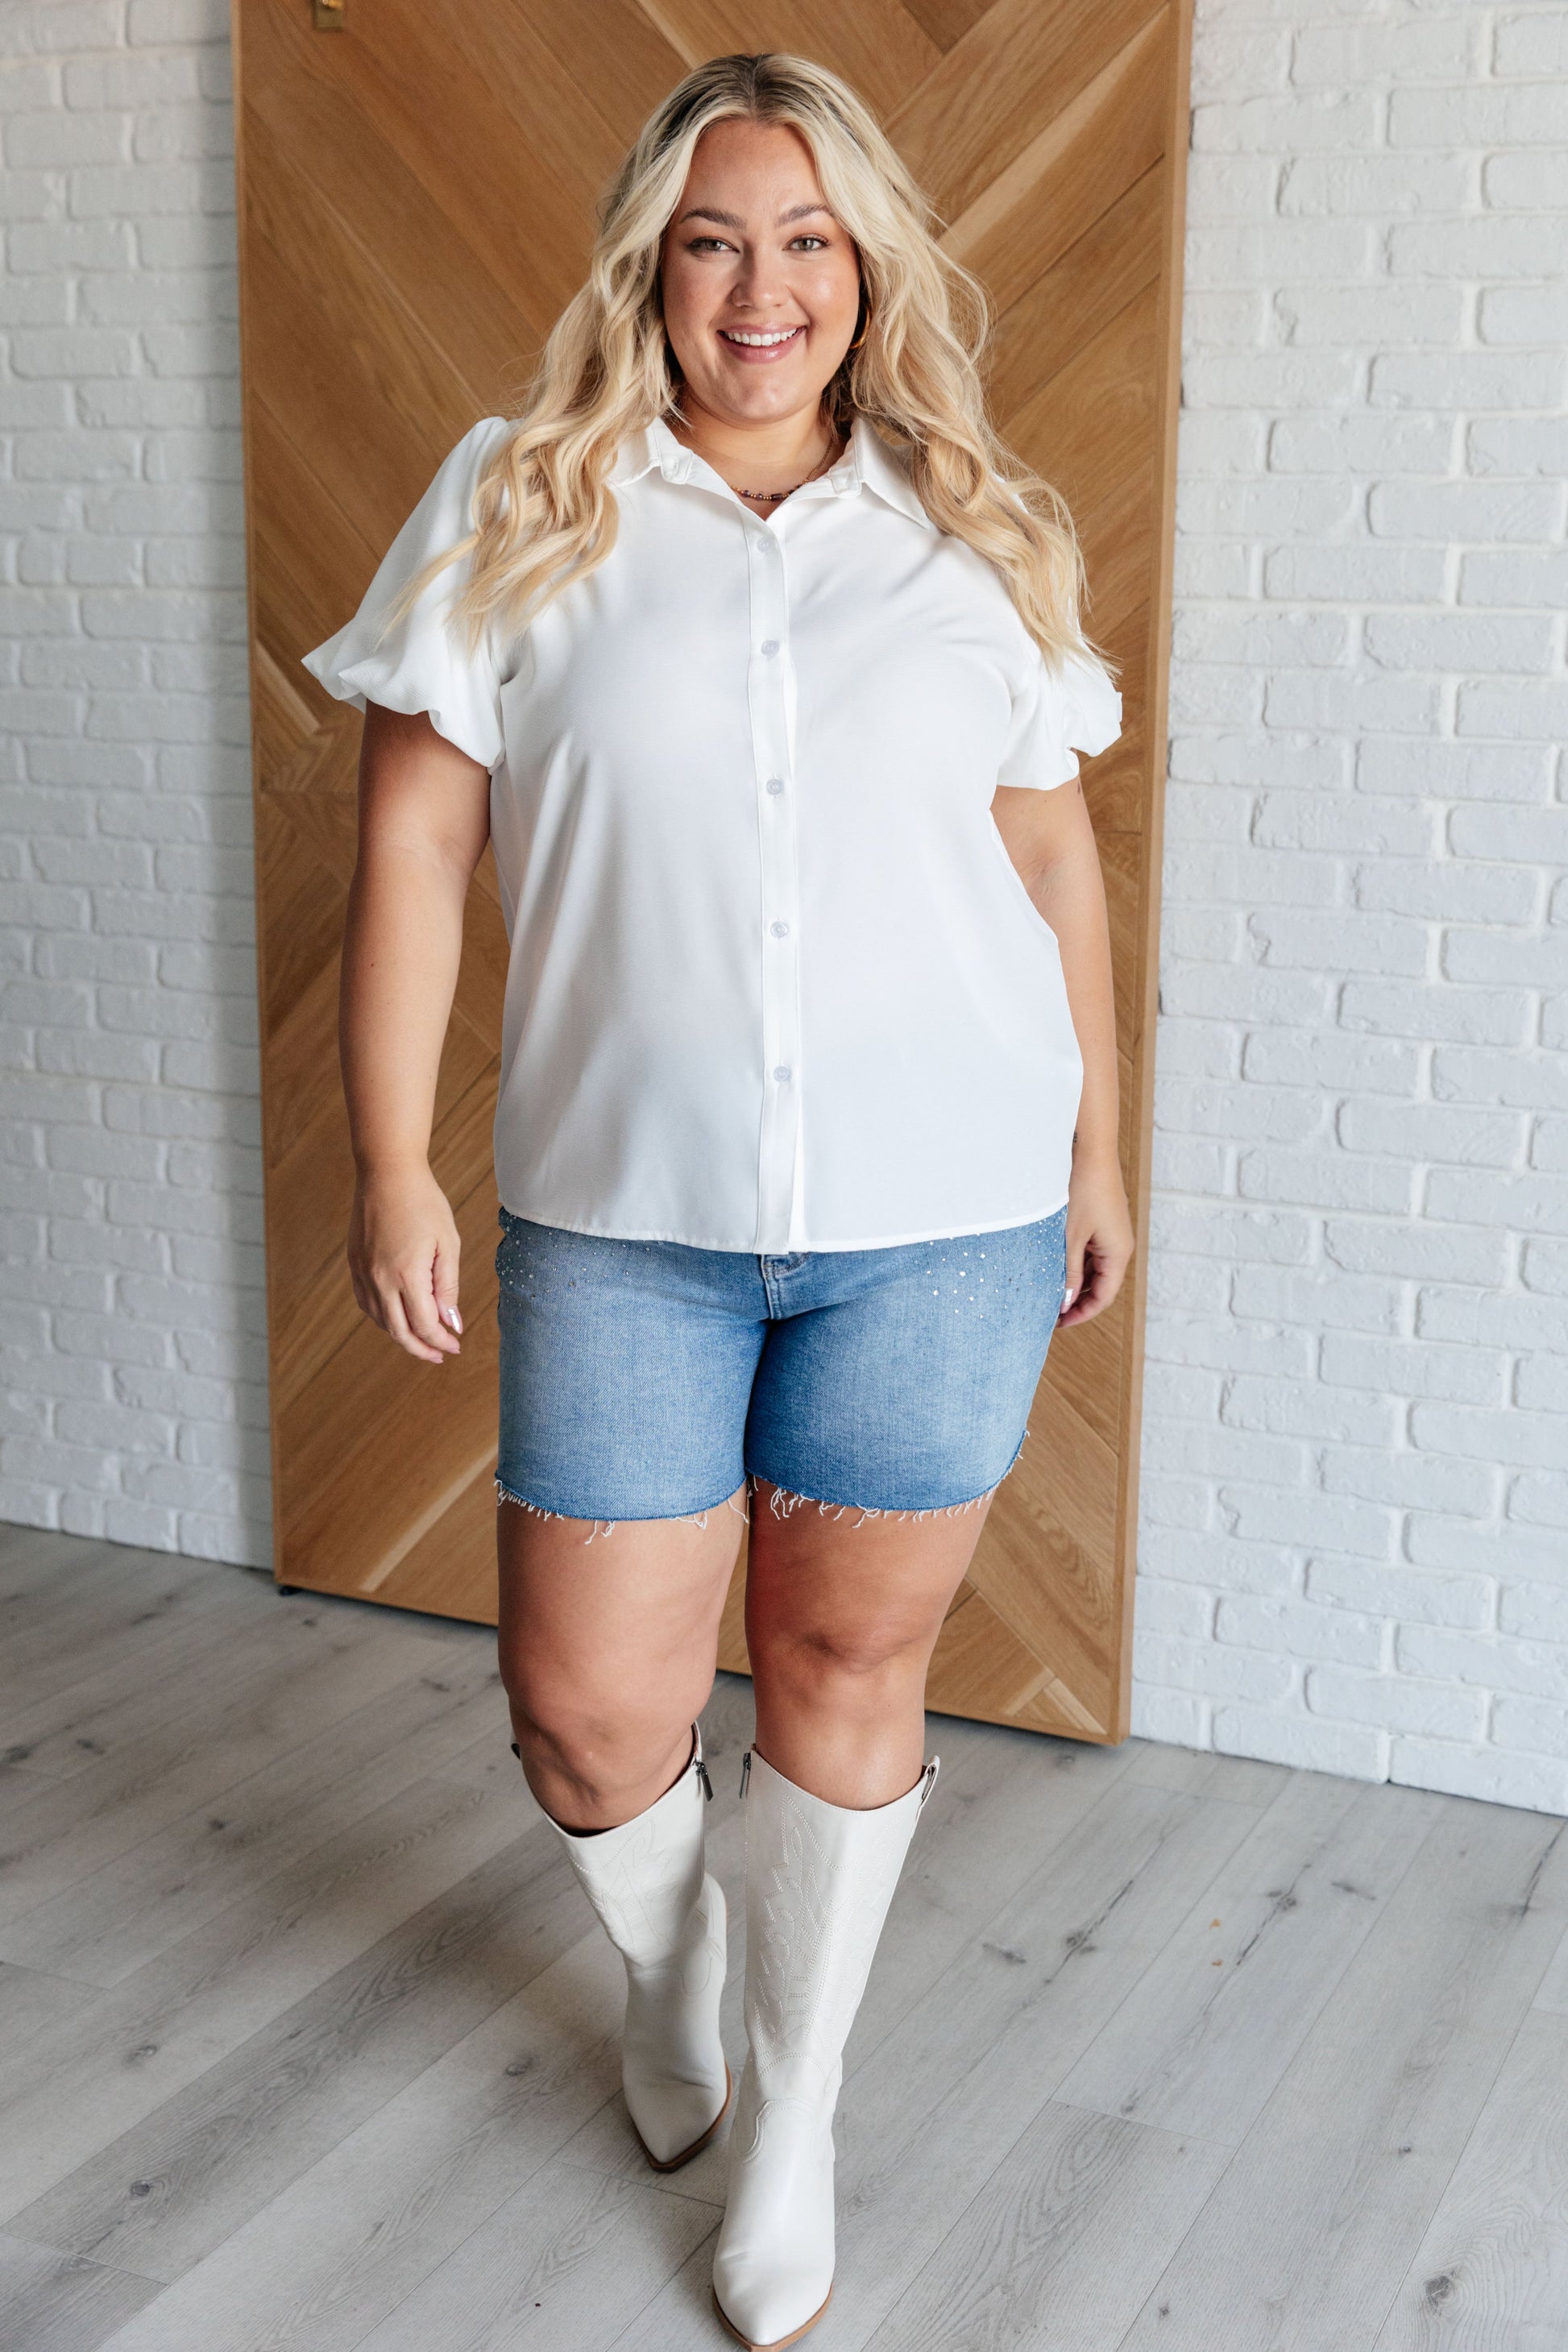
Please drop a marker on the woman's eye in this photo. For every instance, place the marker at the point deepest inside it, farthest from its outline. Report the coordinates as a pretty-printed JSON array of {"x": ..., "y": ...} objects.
[{"x": 811, "y": 239}]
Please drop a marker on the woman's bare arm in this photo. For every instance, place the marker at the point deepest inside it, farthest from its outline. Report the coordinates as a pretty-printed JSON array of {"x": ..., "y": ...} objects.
[
  {"x": 424, "y": 820},
  {"x": 1050, "y": 840}
]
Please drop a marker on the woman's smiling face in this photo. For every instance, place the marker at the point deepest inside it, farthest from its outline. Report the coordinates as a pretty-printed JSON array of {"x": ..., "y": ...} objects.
[{"x": 761, "y": 285}]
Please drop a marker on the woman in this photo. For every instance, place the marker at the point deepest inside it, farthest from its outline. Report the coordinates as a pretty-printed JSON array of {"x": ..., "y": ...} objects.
[{"x": 759, "y": 661}]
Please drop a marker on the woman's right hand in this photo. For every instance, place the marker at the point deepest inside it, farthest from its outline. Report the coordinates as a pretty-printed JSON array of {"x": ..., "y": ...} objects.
[{"x": 402, "y": 1257}]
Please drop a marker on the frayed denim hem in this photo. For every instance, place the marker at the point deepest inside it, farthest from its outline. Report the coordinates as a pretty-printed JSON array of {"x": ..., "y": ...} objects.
[
  {"x": 784, "y": 1500},
  {"x": 505, "y": 1493}
]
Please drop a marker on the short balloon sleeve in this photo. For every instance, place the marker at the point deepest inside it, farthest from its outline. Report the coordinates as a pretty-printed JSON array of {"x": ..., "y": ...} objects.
[
  {"x": 1056, "y": 715},
  {"x": 419, "y": 663}
]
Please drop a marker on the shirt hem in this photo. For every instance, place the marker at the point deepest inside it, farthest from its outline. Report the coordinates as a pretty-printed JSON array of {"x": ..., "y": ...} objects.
[{"x": 746, "y": 1249}]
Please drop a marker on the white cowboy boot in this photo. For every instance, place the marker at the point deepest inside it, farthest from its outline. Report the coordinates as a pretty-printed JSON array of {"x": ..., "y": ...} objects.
[
  {"x": 667, "y": 1920},
  {"x": 819, "y": 1879}
]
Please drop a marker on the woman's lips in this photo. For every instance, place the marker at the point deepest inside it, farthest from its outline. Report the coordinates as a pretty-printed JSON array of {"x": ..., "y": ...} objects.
[{"x": 775, "y": 342}]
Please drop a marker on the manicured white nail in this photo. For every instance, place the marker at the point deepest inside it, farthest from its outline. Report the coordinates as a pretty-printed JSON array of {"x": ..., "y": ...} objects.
[{"x": 452, "y": 1319}]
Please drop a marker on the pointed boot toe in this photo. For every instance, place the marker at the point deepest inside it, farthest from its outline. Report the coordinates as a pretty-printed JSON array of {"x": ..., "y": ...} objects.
[
  {"x": 688, "y": 2148},
  {"x": 774, "y": 2344},
  {"x": 772, "y": 2272}
]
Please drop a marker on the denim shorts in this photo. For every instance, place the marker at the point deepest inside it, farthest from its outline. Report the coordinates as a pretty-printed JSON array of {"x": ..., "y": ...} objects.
[{"x": 650, "y": 1379}]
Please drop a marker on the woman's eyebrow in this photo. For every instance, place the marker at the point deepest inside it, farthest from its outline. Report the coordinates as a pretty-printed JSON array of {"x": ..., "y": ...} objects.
[{"x": 733, "y": 220}]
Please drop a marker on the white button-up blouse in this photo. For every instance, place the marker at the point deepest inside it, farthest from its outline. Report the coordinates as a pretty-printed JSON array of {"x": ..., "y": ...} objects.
[{"x": 774, "y": 983}]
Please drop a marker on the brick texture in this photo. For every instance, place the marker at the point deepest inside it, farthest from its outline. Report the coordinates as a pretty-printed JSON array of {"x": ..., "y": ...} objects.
[
  {"x": 1353, "y": 1549},
  {"x": 133, "y": 1351}
]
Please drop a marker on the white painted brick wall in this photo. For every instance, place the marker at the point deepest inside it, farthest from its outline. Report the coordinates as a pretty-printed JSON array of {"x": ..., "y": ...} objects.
[
  {"x": 133, "y": 1358},
  {"x": 1354, "y": 1527}
]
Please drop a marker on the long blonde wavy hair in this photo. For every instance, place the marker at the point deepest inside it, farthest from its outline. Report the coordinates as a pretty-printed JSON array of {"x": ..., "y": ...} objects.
[{"x": 545, "y": 516}]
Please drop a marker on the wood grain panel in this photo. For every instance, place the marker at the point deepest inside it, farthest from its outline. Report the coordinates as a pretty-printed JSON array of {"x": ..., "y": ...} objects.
[
  {"x": 980, "y": 1665},
  {"x": 1121, "y": 548},
  {"x": 1072, "y": 171},
  {"x": 1001, "y": 85},
  {"x": 417, "y": 199},
  {"x": 876, "y": 45},
  {"x": 1065, "y": 310},
  {"x": 946, "y": 21},
  {"x": 1091, "y": 419},
  {"x": 361, "y": 185},
  {"x": 336, "y": 276},
  {"x": 630, "y": 55}
]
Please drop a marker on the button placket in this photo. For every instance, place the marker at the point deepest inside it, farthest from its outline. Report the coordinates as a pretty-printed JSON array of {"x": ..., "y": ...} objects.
[{"x": 778, "y": 911}]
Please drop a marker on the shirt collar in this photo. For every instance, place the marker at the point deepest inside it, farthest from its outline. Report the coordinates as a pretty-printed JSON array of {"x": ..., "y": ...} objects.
[
  {"x": 655, "y": 445},
  {"x": 867, "y": 464},
  {"x": 882, "y": 470}
]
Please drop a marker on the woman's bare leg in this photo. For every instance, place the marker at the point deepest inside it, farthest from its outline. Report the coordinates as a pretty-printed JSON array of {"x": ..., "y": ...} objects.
[
  {"x": 842, "y": 1615},
  {"x": 607, "y": 1647}
]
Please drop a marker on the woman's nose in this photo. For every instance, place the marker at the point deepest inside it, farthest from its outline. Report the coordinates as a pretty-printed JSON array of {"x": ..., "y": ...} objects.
[{"x": 758, "y": 283}]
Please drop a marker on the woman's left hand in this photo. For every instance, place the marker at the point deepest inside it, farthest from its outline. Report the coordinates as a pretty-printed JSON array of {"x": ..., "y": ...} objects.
[{"x": 1100, "y": 1236}]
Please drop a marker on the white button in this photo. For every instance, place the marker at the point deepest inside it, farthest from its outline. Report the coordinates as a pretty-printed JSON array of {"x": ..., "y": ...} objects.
[
  {"x": 770, "y": 647},
  {"x": 775, "y": 783},
  {"x": 781, "y": 1071},
  {"x": 781, "y": 930}
]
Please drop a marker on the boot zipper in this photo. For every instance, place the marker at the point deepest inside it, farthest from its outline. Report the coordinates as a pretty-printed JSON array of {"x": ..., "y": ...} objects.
[
  {"x": 745, "y": 1771},
  {"x": 702, "y": 1776}
]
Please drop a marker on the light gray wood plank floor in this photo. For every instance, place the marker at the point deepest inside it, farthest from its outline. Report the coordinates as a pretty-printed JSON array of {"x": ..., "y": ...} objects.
[{"x": 308, "y": 2041}]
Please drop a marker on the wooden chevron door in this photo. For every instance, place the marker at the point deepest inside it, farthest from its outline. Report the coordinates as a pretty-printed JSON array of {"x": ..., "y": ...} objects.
[{"x": 416, "y": 195}]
